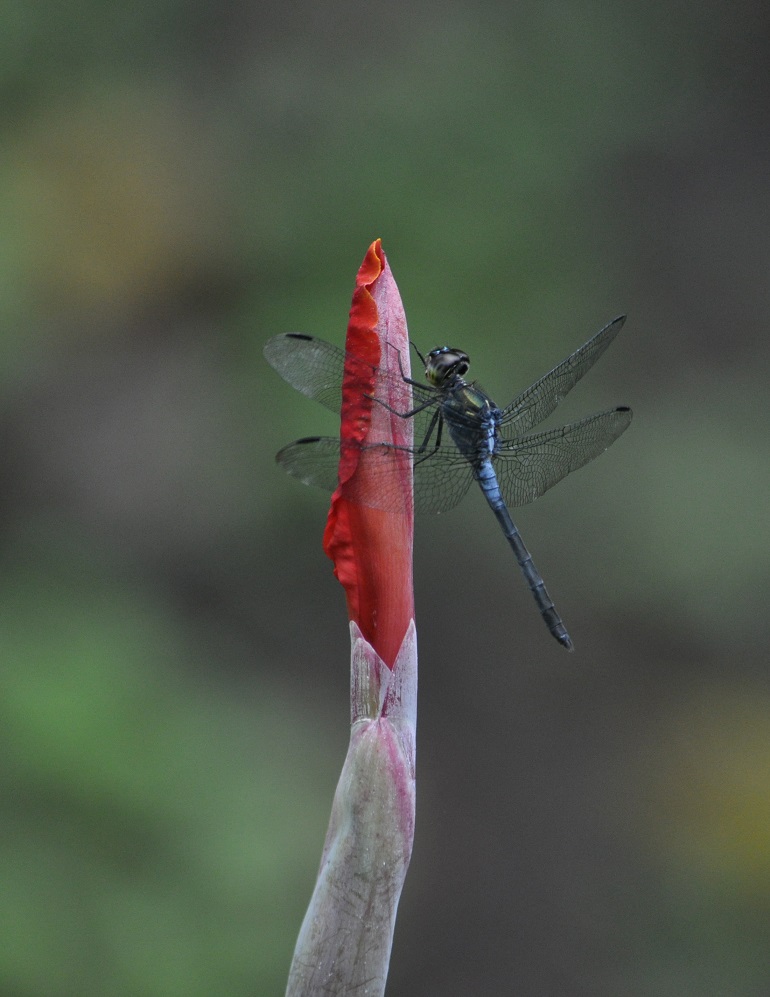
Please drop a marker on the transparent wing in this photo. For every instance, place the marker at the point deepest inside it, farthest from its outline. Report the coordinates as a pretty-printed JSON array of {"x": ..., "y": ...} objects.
[
  {"x": 440, "y": 480},
  {"x": 529, "y": 466},
  {"x": 541, "y": 398},
  {"x": 310, "y": 365},
  {"x": 314, "y": 460},
  {"x": 315, "y": 368}
]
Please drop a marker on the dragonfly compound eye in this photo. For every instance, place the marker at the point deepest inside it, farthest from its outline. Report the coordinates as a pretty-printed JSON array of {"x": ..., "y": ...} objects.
[{"x": 445, "y": 363}]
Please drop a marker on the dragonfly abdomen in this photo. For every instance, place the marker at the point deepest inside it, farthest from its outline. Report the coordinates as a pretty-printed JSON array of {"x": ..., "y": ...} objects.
[{"x": 487, "y": 479}]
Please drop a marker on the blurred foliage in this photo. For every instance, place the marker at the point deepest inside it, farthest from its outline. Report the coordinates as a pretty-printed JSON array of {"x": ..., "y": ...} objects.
[
  {"x": 181, "y": 180},
  {"x": 146, "y": 809}
]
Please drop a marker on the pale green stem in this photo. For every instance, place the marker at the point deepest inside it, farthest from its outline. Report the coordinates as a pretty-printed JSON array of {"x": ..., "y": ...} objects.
[{"x": 345, "y": 940}]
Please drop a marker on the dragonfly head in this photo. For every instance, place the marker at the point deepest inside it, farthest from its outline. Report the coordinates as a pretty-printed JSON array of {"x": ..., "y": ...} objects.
[{"x": 445, "y": 364}]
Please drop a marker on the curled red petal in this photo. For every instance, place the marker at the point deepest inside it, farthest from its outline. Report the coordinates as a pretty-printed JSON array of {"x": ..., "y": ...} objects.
[{"x": 371, "y": 547}]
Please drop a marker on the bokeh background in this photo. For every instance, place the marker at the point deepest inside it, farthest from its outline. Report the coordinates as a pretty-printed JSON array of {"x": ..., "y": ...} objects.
[{"x": 181, "y": 180}]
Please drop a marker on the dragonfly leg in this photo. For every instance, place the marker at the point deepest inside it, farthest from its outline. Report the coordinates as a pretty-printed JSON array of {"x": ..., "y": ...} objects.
[
  {"x": 404, "y": 377},
  {"x": 422, "y": 450},
  {"x": 403, "y": 415}
]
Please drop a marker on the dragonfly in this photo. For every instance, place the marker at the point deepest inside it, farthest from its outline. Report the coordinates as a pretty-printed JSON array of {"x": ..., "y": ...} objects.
[{"x": 460, "y": 435}]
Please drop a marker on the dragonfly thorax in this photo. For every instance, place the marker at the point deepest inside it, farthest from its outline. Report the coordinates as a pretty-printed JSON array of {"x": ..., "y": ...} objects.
[{"x": 445, "y": 365}]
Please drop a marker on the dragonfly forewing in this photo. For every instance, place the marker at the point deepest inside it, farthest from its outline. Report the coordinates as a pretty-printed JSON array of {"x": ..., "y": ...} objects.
[
  {"x": 311, "y": 366},
  {"x": 316, "y": 369},
  {"x": 537, "y": 402}
]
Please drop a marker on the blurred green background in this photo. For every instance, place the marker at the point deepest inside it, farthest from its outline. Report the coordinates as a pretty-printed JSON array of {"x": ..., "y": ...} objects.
[{"x": 181, "y": 180}]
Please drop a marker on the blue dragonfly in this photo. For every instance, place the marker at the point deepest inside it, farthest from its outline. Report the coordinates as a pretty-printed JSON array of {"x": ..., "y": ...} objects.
[{"x": 490, "y": 445}]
